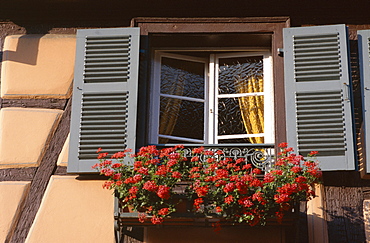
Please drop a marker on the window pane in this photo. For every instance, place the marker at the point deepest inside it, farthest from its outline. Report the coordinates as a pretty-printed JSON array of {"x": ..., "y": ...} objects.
[
  {"x": 240, "y": 75},
  {"x": 183, "y": 78},
  {"x": 181, "y": 118},
  {"x": 230, "y": 117},
  {"x": 243, "y": 115}
]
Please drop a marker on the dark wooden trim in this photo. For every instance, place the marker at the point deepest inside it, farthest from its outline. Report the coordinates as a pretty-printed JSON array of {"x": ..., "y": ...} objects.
[
  {"x": 161, "y": 20},
  {"x": 210, "y": 25},
  {"x": 17, "y": 174},
  {"x": 34, "y": 103},
  {"x": 40, "y": 181},
  {"x": 279, "y": 85}
]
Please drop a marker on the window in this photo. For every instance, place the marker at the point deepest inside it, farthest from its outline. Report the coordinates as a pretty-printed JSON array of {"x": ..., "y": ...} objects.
[
  {"x": 310, "y": 109},
  {"x": 212, "y": 97}
]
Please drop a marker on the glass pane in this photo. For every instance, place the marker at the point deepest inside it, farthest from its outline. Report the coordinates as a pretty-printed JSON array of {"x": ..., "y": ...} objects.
[
  {"x": 243, "y": 115},
  {"x": 181, "y": 118},
  {"x": 183, "y": 78},
  {"x": 240, "y": 75},
  {"x": 230, "y": 117}
]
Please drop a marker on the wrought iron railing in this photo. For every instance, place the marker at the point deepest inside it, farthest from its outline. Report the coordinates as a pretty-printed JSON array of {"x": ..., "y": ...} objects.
[{"x": 258, "y": 155}]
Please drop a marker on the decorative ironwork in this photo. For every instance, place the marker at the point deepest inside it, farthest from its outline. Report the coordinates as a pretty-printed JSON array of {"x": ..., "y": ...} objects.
[{"x": 259, "y": 155}]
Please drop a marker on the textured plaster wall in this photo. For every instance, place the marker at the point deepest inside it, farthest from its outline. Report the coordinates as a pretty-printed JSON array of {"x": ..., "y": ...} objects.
[
  {"x": 74, "y": 211},
  {"x": 38, "y": 66},
  {"x": 12, "y": 194},
  {"x": 24, "y": 135}
]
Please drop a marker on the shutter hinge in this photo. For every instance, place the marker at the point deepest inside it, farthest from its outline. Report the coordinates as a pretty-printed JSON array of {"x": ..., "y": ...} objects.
[{"x": 280, "y": 52}]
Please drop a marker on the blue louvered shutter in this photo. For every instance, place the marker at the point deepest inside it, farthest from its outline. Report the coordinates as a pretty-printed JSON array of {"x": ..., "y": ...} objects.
[
  {"x": 318, "y": 94},
  {"x": 364, "y": 54},
  {"x": 104, "y": 99}
]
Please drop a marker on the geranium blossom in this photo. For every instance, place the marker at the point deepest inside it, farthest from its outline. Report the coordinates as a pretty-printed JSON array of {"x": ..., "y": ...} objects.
[
  {"x": 150, "y": 186},
  {"x": 228, "y": 187},
  {"x": 164, "y": 192}
]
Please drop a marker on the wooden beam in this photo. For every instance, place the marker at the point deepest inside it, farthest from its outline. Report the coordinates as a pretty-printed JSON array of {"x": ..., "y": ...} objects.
[{"x": 34, "y": 103}]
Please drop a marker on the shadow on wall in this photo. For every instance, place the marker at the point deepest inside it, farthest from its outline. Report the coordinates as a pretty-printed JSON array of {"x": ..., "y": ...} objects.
[
  {"x": 26, "y": 44},
  {"x": 346, "y": 224}
]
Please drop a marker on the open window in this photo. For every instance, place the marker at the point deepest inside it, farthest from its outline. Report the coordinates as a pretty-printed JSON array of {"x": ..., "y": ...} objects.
[{"x": 209, "y": 97}]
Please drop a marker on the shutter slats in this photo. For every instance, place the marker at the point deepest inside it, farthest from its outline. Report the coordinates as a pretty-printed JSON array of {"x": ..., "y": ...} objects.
[
  {"x": 323, "y": 139},
  {"x": 105, "y": 49},
  {"x": 104, "y": 96},
  {"x": 313, "y": 111},
  {"x": 316, "y": 49},
  {"x": 322, "y": 136},
  {"x": 108, "y": 45},
  {"x": 100, "y": 137},
  {"x": 317, "y": 78},
  {"x": 317, "y": 69},
  {"x": 318, "y": 62},
  {"x": 325, "y": 125},
  {"x": 320, "y": 120},
  {"x": 310, "y": 49},
  {"x": 320, "y": 130},
  {"x": 329, "y": 151},
  {"x": 112, "y": 38},
  {"x": 106, "y": 79},
  {"x": 316, "y": 103},
  {"x": 309, "y": 53},
  {"x": 105, "y": 63},
  {"x": 318, "y": 116},
  {"x": 107, "y": 116},
  {"x": 91, "y": 147},
  {"x": 116, "y": 103},
  {"x": 304, "y": 106},
  {"x": 109, "y": 132},
  {"x": 102, "y": 112},
  {"x": 326, "y": 145},
  {"x": 107, "y": 60},
  {"x": 313, "y": 78}
]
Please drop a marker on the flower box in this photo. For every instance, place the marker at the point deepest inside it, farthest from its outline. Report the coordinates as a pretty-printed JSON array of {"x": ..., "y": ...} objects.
[{"x": 219, "y": 189}]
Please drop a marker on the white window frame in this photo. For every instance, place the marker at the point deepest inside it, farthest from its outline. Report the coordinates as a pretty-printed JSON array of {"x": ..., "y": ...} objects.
[{"x": 211, "y": 75}]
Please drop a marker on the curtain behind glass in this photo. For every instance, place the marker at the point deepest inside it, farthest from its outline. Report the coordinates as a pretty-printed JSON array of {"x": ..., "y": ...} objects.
[{"x": 252, "y": 107}]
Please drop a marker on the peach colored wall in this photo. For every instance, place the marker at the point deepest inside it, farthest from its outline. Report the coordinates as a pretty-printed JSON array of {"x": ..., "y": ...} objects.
[
  {"x": 38, "y": 66},
  {"x": 12, "y": 194},
  {"x": 24, "y": 135},
  {"x": 74, "y": 211}
]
